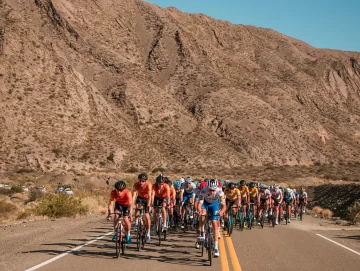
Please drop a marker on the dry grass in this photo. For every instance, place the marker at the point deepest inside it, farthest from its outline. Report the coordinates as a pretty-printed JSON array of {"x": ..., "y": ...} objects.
[
  {"x": 326, "y": 213},
  {"x": 317, "y": 210},
  {"x": 353, "y": 212}
]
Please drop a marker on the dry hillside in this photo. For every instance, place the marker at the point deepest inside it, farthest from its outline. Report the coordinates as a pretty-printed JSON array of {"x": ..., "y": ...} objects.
[{"x": 120, "y": 84}]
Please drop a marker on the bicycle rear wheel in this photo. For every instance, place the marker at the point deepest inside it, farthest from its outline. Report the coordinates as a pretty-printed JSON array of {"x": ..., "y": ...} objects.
[
  {"x": 250, "y": 220},
  {"x": 241, "y": 220},
  {"x": 230, "y": 224},
  {"x": 123, "y": 247},
  {"x": 262, "y": 220}
]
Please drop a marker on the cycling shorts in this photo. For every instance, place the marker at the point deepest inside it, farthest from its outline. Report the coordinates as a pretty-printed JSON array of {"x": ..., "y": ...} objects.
[
  {"x": 187, "y": 196},
  {"x": 229, "y": 203},
  {"x": 212, "y": 209},
  {"x": 143, "y": 202},
  {"x": 122, "y": 208},
  {"x": 159, "y": 201}
]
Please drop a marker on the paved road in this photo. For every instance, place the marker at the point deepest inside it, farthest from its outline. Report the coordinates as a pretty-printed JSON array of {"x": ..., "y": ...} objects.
[{"x": 282, "y": 247}]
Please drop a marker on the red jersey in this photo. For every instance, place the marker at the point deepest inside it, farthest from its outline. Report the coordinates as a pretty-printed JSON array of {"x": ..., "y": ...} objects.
[
  {"x": 123, "y": 198},
  {"x": 161, "y": 192},
  {"x": 143, "y": 191},
  {"x": 202, "y": 185},
  {"x": 172, "y": 192}
]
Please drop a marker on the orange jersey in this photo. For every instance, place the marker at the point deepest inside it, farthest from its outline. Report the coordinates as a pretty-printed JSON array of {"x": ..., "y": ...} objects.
[
  {"x": 161, "y": 192},
  {"x": 172, "y": 192},
  {"x": 143, "y": 192},
  {"x": 123, "y": 198}
]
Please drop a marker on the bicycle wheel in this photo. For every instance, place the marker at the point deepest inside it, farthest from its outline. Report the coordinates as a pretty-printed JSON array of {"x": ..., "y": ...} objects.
[
  {"x": 273, "y": 219},
  {"x": 202, "y": 248},
  {"x": 230, "y": 223},
  {"x": 250, "y": 219},
  {"x": 241, "y": 220},
  {"x": 139, "y": 236},
  {"x": 159, "y": 229},
  {"x": 210, "y": 247},
  {"x": 123, "y": 246},
  {"x": 117, "y": 243}
]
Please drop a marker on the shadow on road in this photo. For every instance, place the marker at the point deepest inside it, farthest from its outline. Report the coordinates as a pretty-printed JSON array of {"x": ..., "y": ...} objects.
[{"x": 353, "y": 237}]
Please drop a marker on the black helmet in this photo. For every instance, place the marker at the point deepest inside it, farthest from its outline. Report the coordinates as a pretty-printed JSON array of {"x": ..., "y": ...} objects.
[
  {"x": 252, "y": 184},
  {"x": 166, "y": 179},
  {"x": 231, "y": 185},
  {"x": 242, "y": 182},
  {"x": 120, "y": 184},
  {"x": 142, "y": 176},
  {"x": 160, "y": 179},
  {"x": 168, "y": 182}
]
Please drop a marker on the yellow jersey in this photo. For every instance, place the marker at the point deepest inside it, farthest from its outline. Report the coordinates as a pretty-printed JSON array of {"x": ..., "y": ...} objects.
[
  {"x": 244, "y": 191},
  {"x": 253, "y": 192},
  {"x": 232, "y": 195}
]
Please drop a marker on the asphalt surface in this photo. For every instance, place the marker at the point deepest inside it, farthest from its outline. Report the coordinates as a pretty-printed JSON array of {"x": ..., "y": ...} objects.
[{"x": 280, "y": 248}]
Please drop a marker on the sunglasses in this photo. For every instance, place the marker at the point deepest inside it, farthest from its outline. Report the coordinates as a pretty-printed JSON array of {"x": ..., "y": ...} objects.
[{"x": 142, "y": 181}]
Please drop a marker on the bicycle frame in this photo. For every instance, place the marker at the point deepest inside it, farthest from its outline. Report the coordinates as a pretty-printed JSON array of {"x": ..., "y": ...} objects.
[{"x": 120, "y": 236}]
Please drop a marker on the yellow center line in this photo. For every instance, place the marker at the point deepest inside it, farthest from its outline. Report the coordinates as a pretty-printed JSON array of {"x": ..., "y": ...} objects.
[
  {"x": 234, "y": 259},
  {"x": 223, "y": 257}
]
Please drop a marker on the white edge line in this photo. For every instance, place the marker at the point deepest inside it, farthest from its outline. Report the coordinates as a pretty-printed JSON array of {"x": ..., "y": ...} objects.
[
  {"x": 66, "y": 253},
  {"x": 339, "y": 244}
]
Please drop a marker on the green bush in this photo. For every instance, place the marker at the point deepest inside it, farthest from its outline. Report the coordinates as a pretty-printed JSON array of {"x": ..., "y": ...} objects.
[
  {"x": 56, "y": 206},
  {"x": 353, "y": 212},
  {"x": 4, "y": 191}
]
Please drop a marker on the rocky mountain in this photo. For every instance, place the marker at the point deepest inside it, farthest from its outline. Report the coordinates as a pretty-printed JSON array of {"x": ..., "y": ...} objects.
[{"x": 97, "y": 84}]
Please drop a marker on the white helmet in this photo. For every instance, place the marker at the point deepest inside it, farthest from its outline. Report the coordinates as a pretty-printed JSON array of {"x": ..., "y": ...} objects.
[
  {"x": 188, "y": 180},
  {"x": 294, "y": 190},
  {"x": 288, "y": 190},
  {"x": 182, "y": 180},
  {"x": 212, "y": 184}
]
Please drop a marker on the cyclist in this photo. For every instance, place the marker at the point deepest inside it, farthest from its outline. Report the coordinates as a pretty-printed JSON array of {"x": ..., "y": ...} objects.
[
  {"x": 289, "y": 199},
  {"x": 264, "y": 198},
  {"x": 172, "y": 200},
  {"x": 187, "y": 195},
  {"x": 253, "y": 195},
  {"x": 232, "y": 195},
  {"x": 302, "y": 199},
  {"x": 244, "y": 193},
  {"x": 123, "y": 204},
  {"x": 209, "y": 200},
  {"x": 276, "y": 198},
  {"x": 142, "y": 198},
  {"x": 160, "y": 198}
]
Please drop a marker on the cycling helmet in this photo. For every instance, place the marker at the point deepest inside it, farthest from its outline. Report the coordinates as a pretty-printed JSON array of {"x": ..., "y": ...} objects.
[
  {"x": 227, "y": 182},
  {"x": 166, "y": 179},
  {"x": 252, "y": 185},
  {"x": 196, "y": 183},
  {"x": 263, "y": 186},
  {"x": 294, "y": 190},
  {"x": 120, "y": 185},
  {"x": 231, "y": 185},
  {"x": 177, "y": 184},
  {"x": 182, "y": 180},
  {"x": 142, "y": 176},
  {"x": 206, "y": 179},
  {"x": 302, "y": 189},
  {"x": 188, "y": 180},
  {"x": 288, "y": 190},
  {"x": 275, "y": 186},
  {"x": 212, "y": 184},
  {"x": 160, "y": 179},
  {"x": 242, "y": 182}
]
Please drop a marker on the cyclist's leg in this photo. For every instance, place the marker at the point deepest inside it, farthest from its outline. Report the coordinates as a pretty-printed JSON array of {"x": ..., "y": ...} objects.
[
  {"x": 213, "y": 210},
  {"x": 163, "y": 212}
]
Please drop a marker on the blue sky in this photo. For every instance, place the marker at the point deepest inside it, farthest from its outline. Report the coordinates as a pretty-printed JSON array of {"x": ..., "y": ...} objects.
[{"x": 332, "y": 24}]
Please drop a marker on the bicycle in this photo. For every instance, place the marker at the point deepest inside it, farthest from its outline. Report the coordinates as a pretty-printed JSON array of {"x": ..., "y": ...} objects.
[
  {"x": 120, "y": 243},
  {"x": 250, "y": 217},
  {"x": 301, "y": 210},
  {"x": 209, "y": 239},
  {"x": 272, "y": 217},
  {"x": 241, "y": 218},
  {"x": 262, "y": 217},
  {"x": 159, "y": 226},
  {"x": 189, "y": 215},
  {"x": 141, "y": 231}
]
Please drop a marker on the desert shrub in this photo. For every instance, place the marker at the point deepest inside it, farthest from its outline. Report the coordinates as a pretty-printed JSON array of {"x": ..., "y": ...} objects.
[
  {"x": 6, "y": 208},
  {"x": 25, "y": 170},
  {"x": 326, "y": 213},
  {"x": 62, "y": 205},
  {"x": 4, "y": 191},
  {"x": 24, "y": 214},
  {"x": 35, "y": 194},
  {"x": 133, "y": 170},
  {"x": 317, "y": 210},
  {"x": 16, "y": 189},
  {"x": 353, "y": 212},
  {"x": 158, "y": 169},
  {"x": 111, "y": 157}
]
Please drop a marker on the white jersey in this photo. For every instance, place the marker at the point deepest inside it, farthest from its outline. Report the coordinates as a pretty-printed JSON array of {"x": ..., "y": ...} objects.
[
  {"x": 188, "y": 190},
  {"x": 265, "y": 195},
  {"x": 212, "y": 197}
]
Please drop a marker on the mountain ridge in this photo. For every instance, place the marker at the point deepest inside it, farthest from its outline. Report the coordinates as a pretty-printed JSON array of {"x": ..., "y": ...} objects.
[{"x": 121, "y": 84}]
